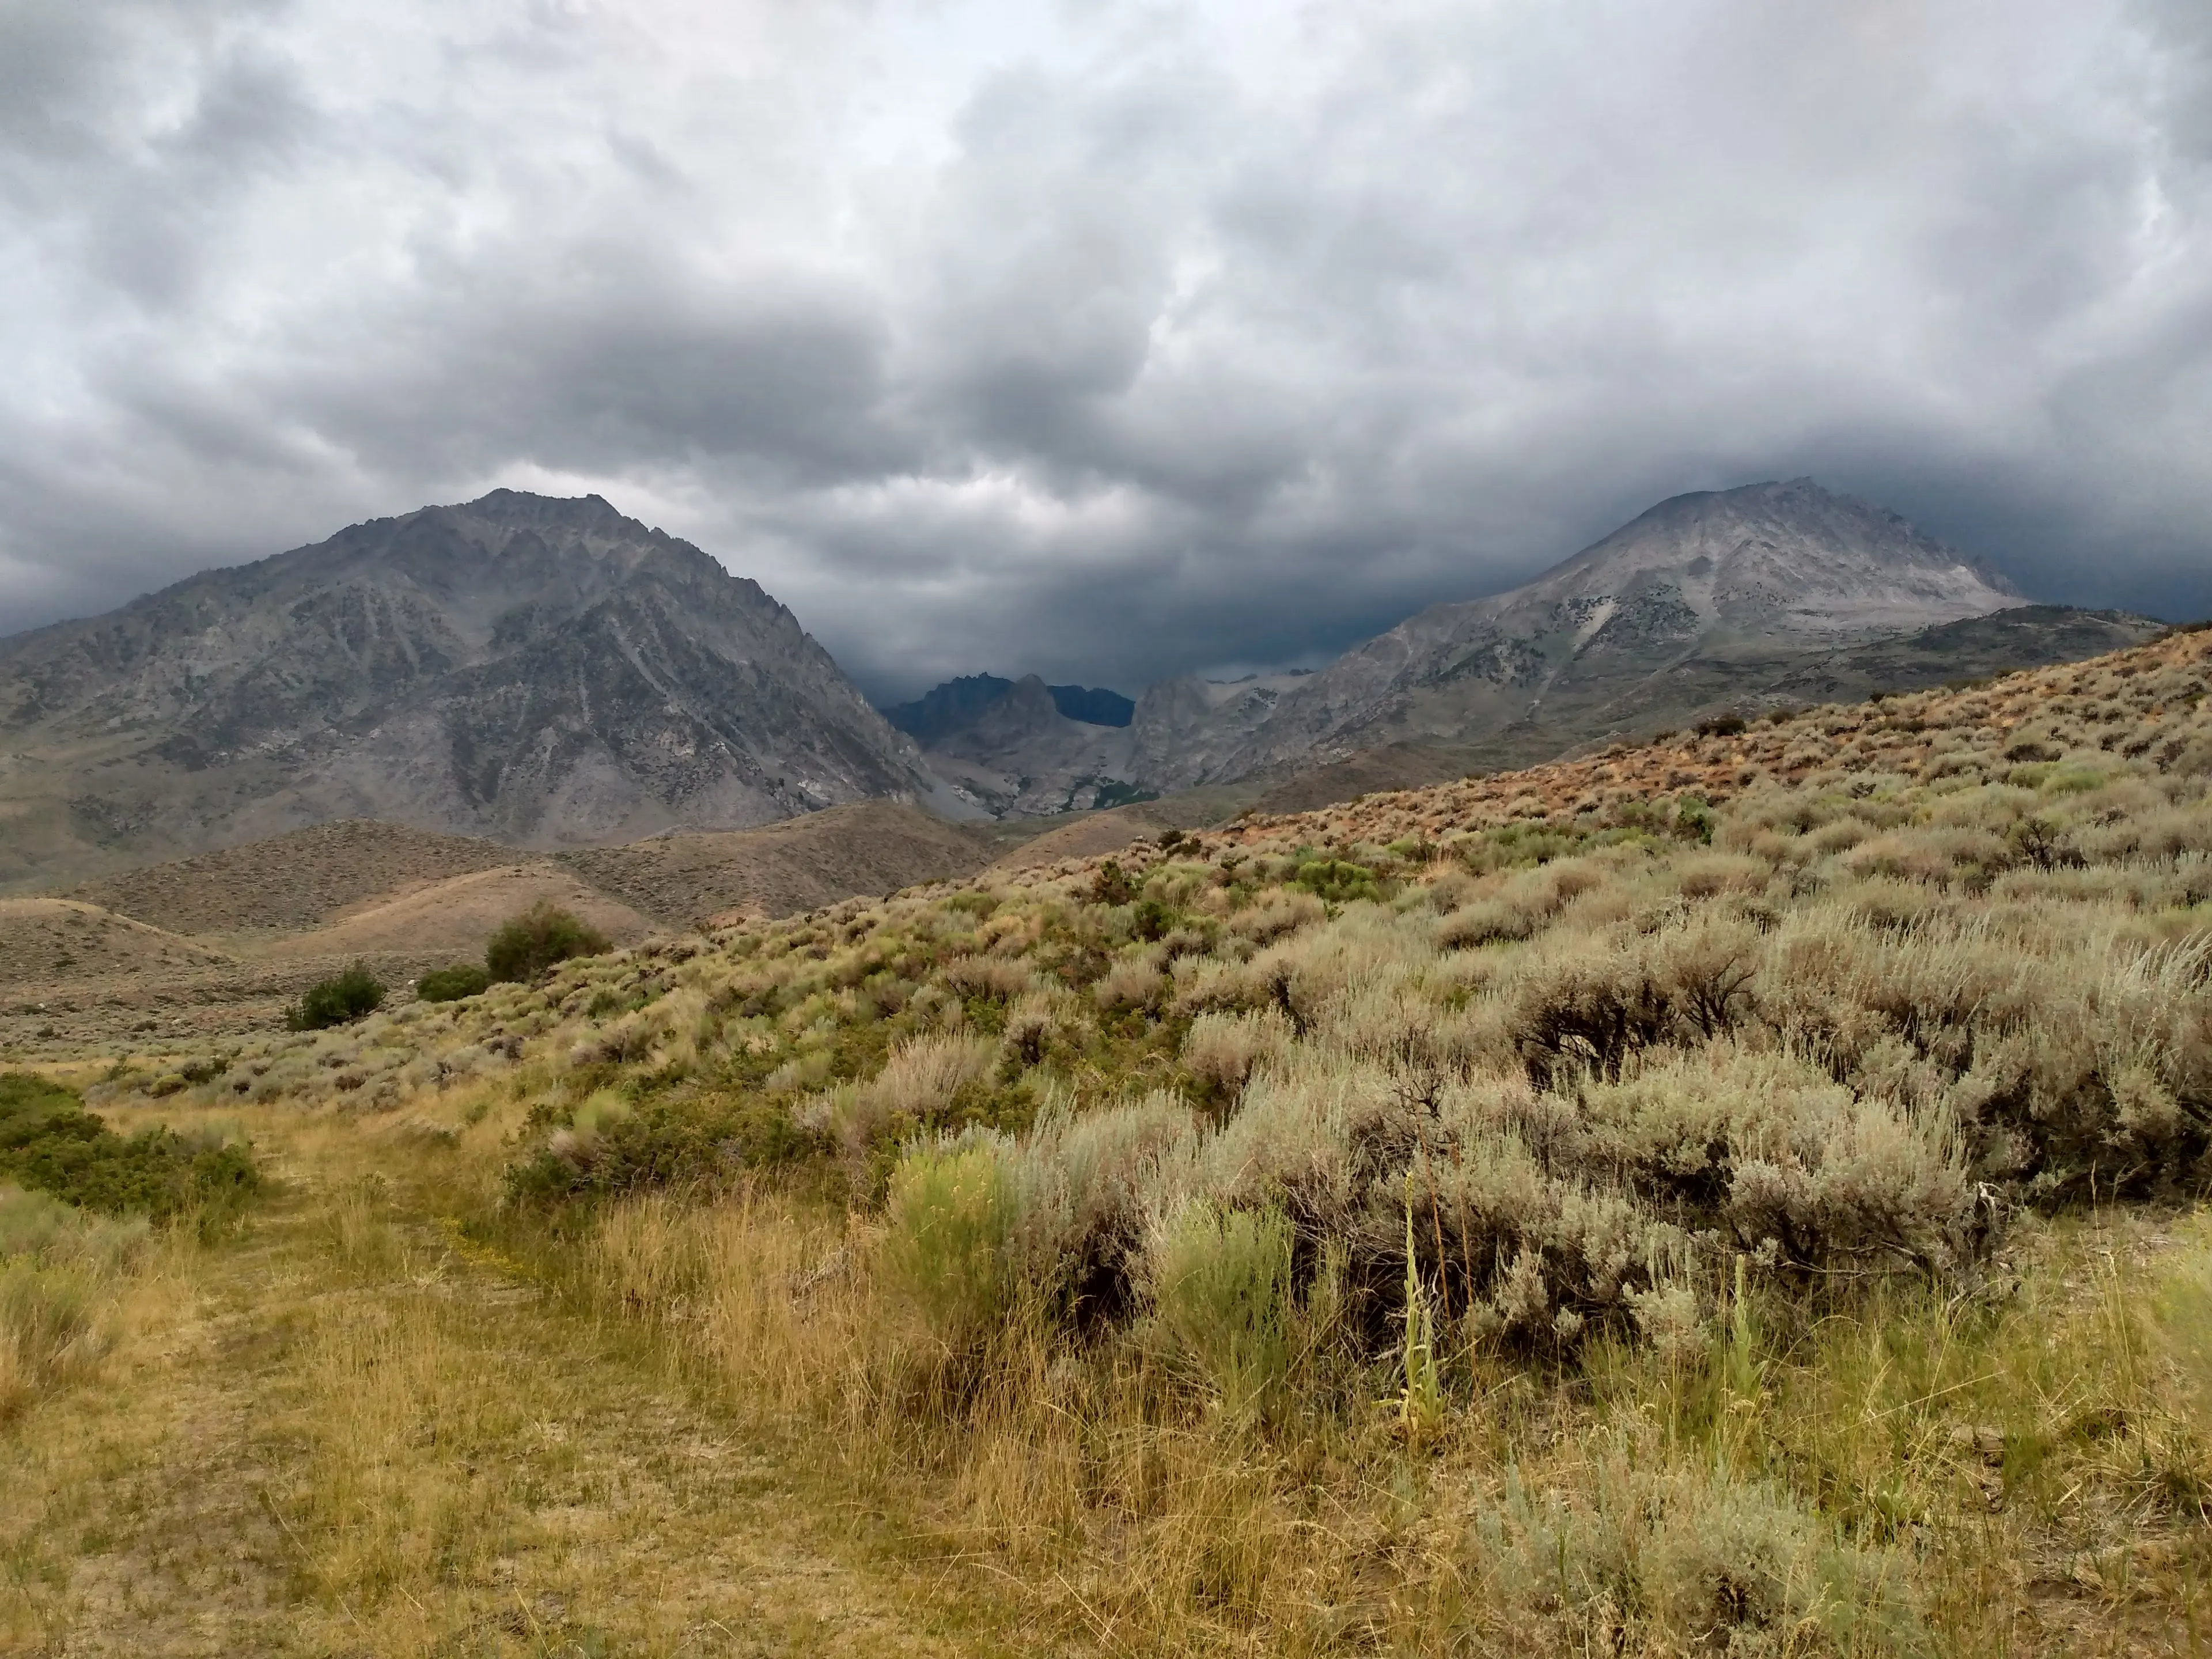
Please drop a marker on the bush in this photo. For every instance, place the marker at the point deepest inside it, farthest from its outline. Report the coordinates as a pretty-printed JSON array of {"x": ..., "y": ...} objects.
[
  {"x": 1338, "y": 880},
  {"x": 1220, "y": 1283},
  {"x": 338, "y": 1001},
  {"x": 49, "y": 1143},
  {"x": 451, "y": 984},
  {"x": 1687, "y": 1559},
  {"x": 540, "y": 938},
  {"x": 608, "y": 1150},
  {"x": 1110, "y": 885},
  {"x": 949, "y": 1248}
]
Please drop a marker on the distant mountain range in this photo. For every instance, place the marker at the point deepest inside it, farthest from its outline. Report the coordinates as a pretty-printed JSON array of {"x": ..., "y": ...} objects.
[
  {"x": 958, "y": 704},
  {"x": 1747, "y": 596},
  {"x": 549, "y": 673}
]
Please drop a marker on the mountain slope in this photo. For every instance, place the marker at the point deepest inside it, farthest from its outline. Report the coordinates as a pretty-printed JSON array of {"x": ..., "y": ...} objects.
[
  {"x": 545, "y": 671},
  {"x": 1765, "y": 570},
  {"x": 2025, "y": 636}
]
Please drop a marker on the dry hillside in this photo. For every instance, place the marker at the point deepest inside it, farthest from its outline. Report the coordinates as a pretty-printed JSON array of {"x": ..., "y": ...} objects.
[
  {"x": 44, "y": 942},
  {"x": 870, "y": 848},
  {"x": 292, "y": 882},
  {"x": 216, "y": 944},
  {"x": 1736, "y": 1195}
]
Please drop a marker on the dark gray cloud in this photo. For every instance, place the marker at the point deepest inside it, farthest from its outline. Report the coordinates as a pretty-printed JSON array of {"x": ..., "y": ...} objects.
[{"x": 1104, "y": 338}]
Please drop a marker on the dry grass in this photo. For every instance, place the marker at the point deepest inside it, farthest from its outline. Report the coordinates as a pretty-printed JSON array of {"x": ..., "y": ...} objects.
[
  {"x": 364, "y": 1427},
  {"x": 1737, "y": 1195}
]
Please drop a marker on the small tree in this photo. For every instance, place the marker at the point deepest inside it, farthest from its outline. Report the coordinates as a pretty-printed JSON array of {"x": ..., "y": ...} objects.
[
  {"x": 338, "y": 1001},
  {"x": 527, "y": 945}
]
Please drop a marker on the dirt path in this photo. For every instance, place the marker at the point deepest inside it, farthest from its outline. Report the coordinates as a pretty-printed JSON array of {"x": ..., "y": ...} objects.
[{"x": 343, "y": 1436}]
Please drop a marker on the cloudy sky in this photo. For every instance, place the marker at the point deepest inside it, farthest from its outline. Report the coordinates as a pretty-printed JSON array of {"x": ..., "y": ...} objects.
[{"x": 1104, "y": 338}]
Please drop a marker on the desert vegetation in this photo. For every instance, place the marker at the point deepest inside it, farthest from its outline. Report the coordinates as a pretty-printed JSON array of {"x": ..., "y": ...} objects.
[
  {"x": 78, "y": 1207},
  {"x": 339, "y": 999},
  {"x": 463, "y": 979},
  {"x": 1732, "y": 1195},
  {"x": 543, "y": 936}
]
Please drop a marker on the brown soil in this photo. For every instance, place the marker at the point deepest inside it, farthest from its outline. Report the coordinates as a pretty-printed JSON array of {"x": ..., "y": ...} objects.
[
  {"x": 872, "y": 847},
  {"x": 452, "y": 920},
  {"x": 292, "y": 881}
]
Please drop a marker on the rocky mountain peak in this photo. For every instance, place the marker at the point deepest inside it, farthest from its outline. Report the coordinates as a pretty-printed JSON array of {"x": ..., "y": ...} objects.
[
  {"x": 533, "y": 668},
  {"x": 1775, "y": 556},
  {"x": 1711, "y": 578}
]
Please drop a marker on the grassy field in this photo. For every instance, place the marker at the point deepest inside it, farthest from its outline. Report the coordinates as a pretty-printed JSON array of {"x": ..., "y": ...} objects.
[
  {"x": 1737, "y": 1195},
  {"x": 351, "y": 1430}
]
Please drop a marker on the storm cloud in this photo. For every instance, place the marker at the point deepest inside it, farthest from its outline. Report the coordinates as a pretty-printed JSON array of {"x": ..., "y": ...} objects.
[{"x": 1103, "y": 339}]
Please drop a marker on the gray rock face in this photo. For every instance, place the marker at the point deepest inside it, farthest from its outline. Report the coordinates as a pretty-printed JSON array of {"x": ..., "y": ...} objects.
[
  {"x": 1768, "y": 569},
  {"x": 541, "y": 670}
]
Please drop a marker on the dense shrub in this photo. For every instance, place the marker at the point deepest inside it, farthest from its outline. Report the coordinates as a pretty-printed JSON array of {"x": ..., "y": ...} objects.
[
  {"x": 540, "y": 938},
  {"x": 451, "y": 984},
  {"x": 49, "y": 1143},
  {"x": 606, "y": 1149},
  {"x": 1337, "y": 881},
  {"x": 1221, "y": 1296},
  {"x": 339, "y": 1000},
  {"x": 952, "y": 1217}
]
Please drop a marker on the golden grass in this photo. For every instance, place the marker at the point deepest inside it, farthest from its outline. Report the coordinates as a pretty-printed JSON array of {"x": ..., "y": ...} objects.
[
  {"x": 1750, "y": 1162},
  {"x": 367, "y": 1426},
  {"x": 2022, "y": 1473}
]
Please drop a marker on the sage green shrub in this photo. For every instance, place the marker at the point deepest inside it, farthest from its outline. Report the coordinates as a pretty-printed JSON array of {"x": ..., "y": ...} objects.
[{"x": 1219, "y": 1282}]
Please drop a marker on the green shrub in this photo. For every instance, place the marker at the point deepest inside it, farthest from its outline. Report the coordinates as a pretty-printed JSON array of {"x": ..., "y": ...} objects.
[
  {"x": 1220, "y": 1283},
  {"x": 1338, "y": 880},
  {"x": 540, "y": 938},
  {"x": 1152, "y": 920},
  {"x": 451, "y": 984},
  {"x": 338, "y": 1001},
  {"x": 49, "y": 1143},
  {"x": 1110, "y": 885},
  {"x": 606, "y": 1150},
  {"x": 949, "y": 1244}
]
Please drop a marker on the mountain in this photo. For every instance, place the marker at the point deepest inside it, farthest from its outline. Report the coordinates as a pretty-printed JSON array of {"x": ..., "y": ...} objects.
[
  {"x": 1023, "y": 747},
  {"x": 1011, "y": 746},
  {"x": 1771, "y": 594},
  {"x": 957, "y": 704},
  {"x": 1767, "y": 570},
  {"x": 543, "y": 672},
  {"x": 1975, "y": 649}
]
